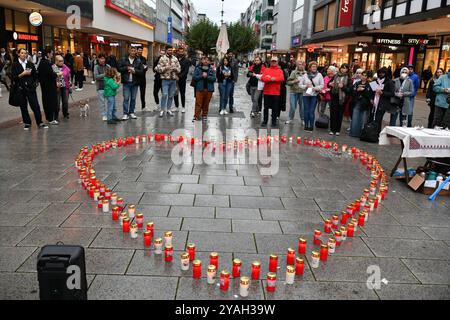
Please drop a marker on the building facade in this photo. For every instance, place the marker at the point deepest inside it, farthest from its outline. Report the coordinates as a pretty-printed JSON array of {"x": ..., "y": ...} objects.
[{"x": 282, "y": 27}]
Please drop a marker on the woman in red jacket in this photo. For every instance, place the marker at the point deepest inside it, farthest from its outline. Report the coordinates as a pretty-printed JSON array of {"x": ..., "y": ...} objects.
[{"x": 272, "y": 77}]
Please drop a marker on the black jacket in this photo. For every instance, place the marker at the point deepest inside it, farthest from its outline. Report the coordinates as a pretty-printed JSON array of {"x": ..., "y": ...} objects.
[
  {"x": 220, "y": 77},
  {"x": 388, "y": 93},
  {"x": 138, "y": 67},
  {"x": 47, "y": 77},
  {"x": 185, "y": 65},
  {"x": 363, "y": 97},
  {"x": 144, "y": 63},
  {"x": 155, "y": 64},
  {"x": 431, "y": 94},
  {"x": 25, "y": 83}
]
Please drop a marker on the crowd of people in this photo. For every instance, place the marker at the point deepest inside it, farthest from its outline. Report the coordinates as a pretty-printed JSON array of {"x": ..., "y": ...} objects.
[{"x": 346, "y": 90}]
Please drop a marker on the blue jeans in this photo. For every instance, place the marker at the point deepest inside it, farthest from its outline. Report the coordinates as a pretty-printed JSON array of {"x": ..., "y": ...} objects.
[
  {"x": 225, "y": 90},
  {"x": 102, "y": 102},
  {"x": 111, "y": 107},
  {"x": 402, "y": 117},
  {"x": 359, "y": 119},
  {"x": 169, "y": 88},
  {"x": 129, "y": 93},
  {"x": 232, "y": 95},
  {"x": 309, "y": 105},
  {"x": 296, "y": 99}
]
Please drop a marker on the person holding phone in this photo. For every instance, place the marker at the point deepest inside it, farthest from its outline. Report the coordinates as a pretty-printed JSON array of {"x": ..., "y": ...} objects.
[
  {"x": 363, "y": 97},
  {"x": 49, "y": 88}
]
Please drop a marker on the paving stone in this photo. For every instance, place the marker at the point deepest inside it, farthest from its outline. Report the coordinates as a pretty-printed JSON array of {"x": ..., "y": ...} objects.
[
  {"x": 430, "y": 271},
  {"x": 318, "y": 194},
  {"x": 237, "y": 181},
  {"x": 11, "y": 236},
  {"x": 107, "y": 261},
  {"x": 11, "y": 258},
  {"x": 330, "y": 205},
  {"x": 354, "y": 269},
  {"x": 402, "y": 248},
  {"x": 14, "y": 196},
  {"x": 111, "y": 287},
  {"x": 214, "y": 225},
  {"x": 189, "y": 188},
  {"x": 293, "y": 227},
  {"x": 147, "y": 187},
  {"x": 52, "y": 196},
  {"x": 421, "y": 219},
  {"x": 253, "y": 226},
  {"x": 253, "y": 191},
  {"x": 282, "y": 192},
  {"x": 255, "y": 202},
  {"x": 437, "y": 233},
  {"x": 274, "y": 243},
  {"x": 26, "y": 286},
  {"x": 54, "y": 215},
  {"x": 28, "y": 208},
  {"x": 180, "y": 178},
  {"x": 168, "y": 199},
  {"x": 15, "y": 220},
  {"x": 310, "y": 216},
  {"x": 413, "y": 292},
  {"x": 222, "y": 242},
  {"x": 192, "y": 212},
  {"x": 211, "y": 200},
  {"x": 201, "y": 290},
  {"x": 238, "y": 213},
  {"x": 42, "y": 236},
  {"x": 393, "y": 231}
]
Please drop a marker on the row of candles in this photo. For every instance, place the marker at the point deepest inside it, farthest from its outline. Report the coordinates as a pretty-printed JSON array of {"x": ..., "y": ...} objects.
[{"x": 131, "y": 222}]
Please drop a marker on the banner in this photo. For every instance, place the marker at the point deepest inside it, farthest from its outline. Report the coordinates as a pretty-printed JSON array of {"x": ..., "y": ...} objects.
[
  {"x": 346, "y": 13},
  {"x": 169, "y": 30}
]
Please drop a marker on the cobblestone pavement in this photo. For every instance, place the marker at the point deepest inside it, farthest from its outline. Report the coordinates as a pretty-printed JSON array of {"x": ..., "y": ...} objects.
[{"x": 226, "y": 208}]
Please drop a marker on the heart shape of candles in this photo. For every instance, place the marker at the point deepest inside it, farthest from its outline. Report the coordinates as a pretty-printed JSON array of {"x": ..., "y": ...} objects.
[{"x": 338, "y": 228}]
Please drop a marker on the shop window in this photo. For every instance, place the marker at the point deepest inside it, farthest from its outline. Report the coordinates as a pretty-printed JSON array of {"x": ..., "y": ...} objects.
[
  {"x": 331, "y": 16},
  {"x": 319, "y": 22},
  {"x": 9, "y": 20},
  {"x": 21, "y": 20}
]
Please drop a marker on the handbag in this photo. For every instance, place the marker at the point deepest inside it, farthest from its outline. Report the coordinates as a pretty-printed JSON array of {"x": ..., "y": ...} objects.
[
  {"x": 370, "y": 131},
  {"x": 15, "y": 96},
  {"x": 248, "y": 88}
]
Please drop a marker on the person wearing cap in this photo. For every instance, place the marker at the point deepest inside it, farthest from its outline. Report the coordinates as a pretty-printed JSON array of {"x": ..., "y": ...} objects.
[
  {"x": 272, "y": 78},
  {"x": 442, "y": 89},
  {"x": 416, "y": 82}
]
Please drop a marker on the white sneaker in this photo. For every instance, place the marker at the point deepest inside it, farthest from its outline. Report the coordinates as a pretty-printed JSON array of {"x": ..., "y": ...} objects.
[
  {"x": 170, "y": 113},
  {"x": 225, "y": 112},
  {"x": 158, "y": 108},
  {"x": 105, "y": 118},
  {"x": 78, "y": 89},
  {"x": 331, "y": 133},
  {"x": 133, "y": 116},
  {"x": 303, "y": 123},
  {"x": 337, "y": 133},
  {"x": 348, "y": 129},
  {"x": 174, "y": 109},
  {"x": 288, "y": 122},
  {"x": 183, "y": 110},
  {"x": 161, "y": 114},
  {"x": 125, "y": 117},
  {"x": 54, "y": 122},
  {"x": 93, "y": 82},
  {"x": 221, "y": 112}
]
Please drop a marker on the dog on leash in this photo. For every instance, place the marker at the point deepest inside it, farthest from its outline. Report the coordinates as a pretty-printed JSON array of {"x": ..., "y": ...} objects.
[{"x": 84, "y": 108}]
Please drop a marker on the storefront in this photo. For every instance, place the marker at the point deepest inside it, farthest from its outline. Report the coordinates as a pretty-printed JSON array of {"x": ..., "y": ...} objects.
[
  {"x": 327, "y": 55},
  {"x": 436, "y": 55}
]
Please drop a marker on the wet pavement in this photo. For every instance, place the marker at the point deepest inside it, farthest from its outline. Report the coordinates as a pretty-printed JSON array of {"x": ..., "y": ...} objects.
[{"x": 228, "y": 208}]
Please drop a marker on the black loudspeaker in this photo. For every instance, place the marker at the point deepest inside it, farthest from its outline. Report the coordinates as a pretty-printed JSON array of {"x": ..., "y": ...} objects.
[{"x": 62, "y": 273}]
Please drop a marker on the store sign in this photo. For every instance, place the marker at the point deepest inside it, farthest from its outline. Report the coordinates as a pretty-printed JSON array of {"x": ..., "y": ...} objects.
[
  {"x": 35, "y": 19},
  {"x": 402, "y": 41},
  {"x": 363, "y": 44},
  {"x": 346, "y": 13},
  {"x": 296, "y": 41},
  {"x": 416, "y": 41},
  {"x": 388, "y": 41},
  {"x": 25, "y": 37},
  {"x": 100, "y": 39},
  {"x": 114, "y": 44}
]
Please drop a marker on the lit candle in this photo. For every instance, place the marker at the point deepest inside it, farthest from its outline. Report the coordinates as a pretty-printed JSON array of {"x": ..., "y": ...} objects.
[
  {"x": 168, "y": 237},
  {"x": 147, "y": 239},
  {"x": 355, "y": 224},
  {"x": 96, "y": 194},
  {"x": 122, "y": 217},
  {"x": 317, "y": 237},
  {"x": 331, "y": 245},
  {"x": 214, "y": 259},
  {"x": 290, "y": 259},
  {"x": 114, "y": 199},
  {"x": 344, "y": 217},
  {"x": 224, "y": 280},
  {"x": 361, "y": 219},
  {"x": 338, "y": 237},
  {"x": 335, "y": 221},
  {"x": 315, "y": 259},
  {"x": 290, "y": 275},
  {"x": 134, "y": 231},
  {"x": 343, "y": 231},
  {"x": 271, "y": 282},
  {"x": 105, "y": 206},
  {"x": 349, "y": 210},
  {"x": 168, "y": 253},
  {"x": 100, "y": 202},
  {"x": 327, "y": 226},
  {"x": 197, "y": 269},
  {"x": 120, "y": 203},
  {"x": 150, "y": 227},
  {"x": 301, "y": 246},
  {"x": 237, "y": 264},
  {"x": 131, "y": 211},
  {"x": 126, "y": 225},
  {"x": 115, "y": 213},
  {"x": 357, "y": 205},
  {"x": 350, "y": 230},
  {"x": 273, "y": 263},
  {"x": 211, "y": 274},
  {"x": 191, "y": 250},
  {"x": 324, "y": 252},
  {"x": 158, "y": 245},
  {"x": 244, "y": 285},
  {"x": 372, "y": 205},
  {"x": 140, "y": 220},
  {"x": 299, "y": 266},
  {"x": 256, "y": 270},
  {"x": 185, "y": 261},
  {"x": 107, "y": 193}
]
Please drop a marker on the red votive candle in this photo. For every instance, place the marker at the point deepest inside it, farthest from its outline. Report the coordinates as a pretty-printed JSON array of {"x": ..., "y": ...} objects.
[
  {"x": 350, "y": 230},
  {"x": 271, "y": 282},
  {"x": 147, "y": 239},
  {"x": 290, "y": 259},
  {"x": 140, "y": 220},
  {"x": 301, "y": 246},
  {"x": 335, "y": 221},
  {"x": 256, "y": 270},
  {"x": 115, "y": 213},
  {"x": 224, "y": 280},
  {"x": 324, "y": 252},
  {"x": 191, "y": 250},
  {"x": 344, "y": 217},
  {"x": 317, "y": 237},
  {"x": 168, "y": 253},
  {"x": 273, "y": 263},
  {"x": 237, "y": 264},
  {"x": 126, "y": 225},
  {"x": 197, "y": 269},
  {"x": 361, "y": 219},
  {"x": 299, "y": 266},
  {"x": 327, "y": 226},
  {"x": 214, "y": 259},
  {"x": 338, "y": 237}
]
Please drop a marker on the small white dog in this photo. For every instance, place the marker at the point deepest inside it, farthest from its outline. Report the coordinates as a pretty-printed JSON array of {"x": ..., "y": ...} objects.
[{"x": 84, "y": 108}]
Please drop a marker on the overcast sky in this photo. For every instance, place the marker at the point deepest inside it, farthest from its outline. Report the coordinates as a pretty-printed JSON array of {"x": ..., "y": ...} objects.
[{"x": 212, "y": 8}]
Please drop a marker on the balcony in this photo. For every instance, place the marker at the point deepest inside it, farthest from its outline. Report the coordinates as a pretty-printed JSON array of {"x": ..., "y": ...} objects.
[{"x": 268, "y": 5}]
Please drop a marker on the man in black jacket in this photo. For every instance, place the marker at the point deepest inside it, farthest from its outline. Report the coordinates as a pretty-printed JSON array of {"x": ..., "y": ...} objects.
[
  {"x": 132, "y": 71},
  {"x": 47, "y": 79},
  {"x": 234, "y": 63},
  {"x": 143, "y": 84},
  {"x": 185, "y": 65},
  {"x": 157, "y": 85}
]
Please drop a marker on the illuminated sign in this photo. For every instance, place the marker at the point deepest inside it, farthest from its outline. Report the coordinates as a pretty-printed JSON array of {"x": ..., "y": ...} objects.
[
  {"x": 35, "y": 19},
  {"x": 141, "y": 13},
  {"x": 346, "y": 13},
  {"x": 25, "y": 37},
  {"x": 405, "y": 41}
]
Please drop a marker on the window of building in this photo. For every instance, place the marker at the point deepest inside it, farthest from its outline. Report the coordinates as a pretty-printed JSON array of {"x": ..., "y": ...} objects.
[
  {"x": 401, "y": 8},
  {"x": 331, "y": 16},
  {"x": 21, "y": 20},
  {"x": 319, "y": 20},
  {"x": 9, "y": 20}
]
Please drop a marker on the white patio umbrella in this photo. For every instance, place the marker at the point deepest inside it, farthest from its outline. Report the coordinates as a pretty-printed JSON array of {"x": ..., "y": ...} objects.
[{"x": 222, "y": 44}]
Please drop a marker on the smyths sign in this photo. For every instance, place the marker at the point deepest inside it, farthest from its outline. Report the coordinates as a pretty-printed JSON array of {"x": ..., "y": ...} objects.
[{"x": 346, "y": 13}]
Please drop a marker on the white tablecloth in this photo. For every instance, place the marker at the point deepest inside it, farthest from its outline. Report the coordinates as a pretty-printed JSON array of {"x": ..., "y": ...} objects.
[{"x": 419, "y": 143}]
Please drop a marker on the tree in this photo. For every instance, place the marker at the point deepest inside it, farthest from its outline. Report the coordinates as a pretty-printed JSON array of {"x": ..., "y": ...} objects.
[
  {"x": 203, "y": 36},
  {"x": 242, "y": 39}
]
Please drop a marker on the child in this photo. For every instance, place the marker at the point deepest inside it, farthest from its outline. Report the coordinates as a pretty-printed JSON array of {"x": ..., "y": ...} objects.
[{"x": 112, "y": 83}]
